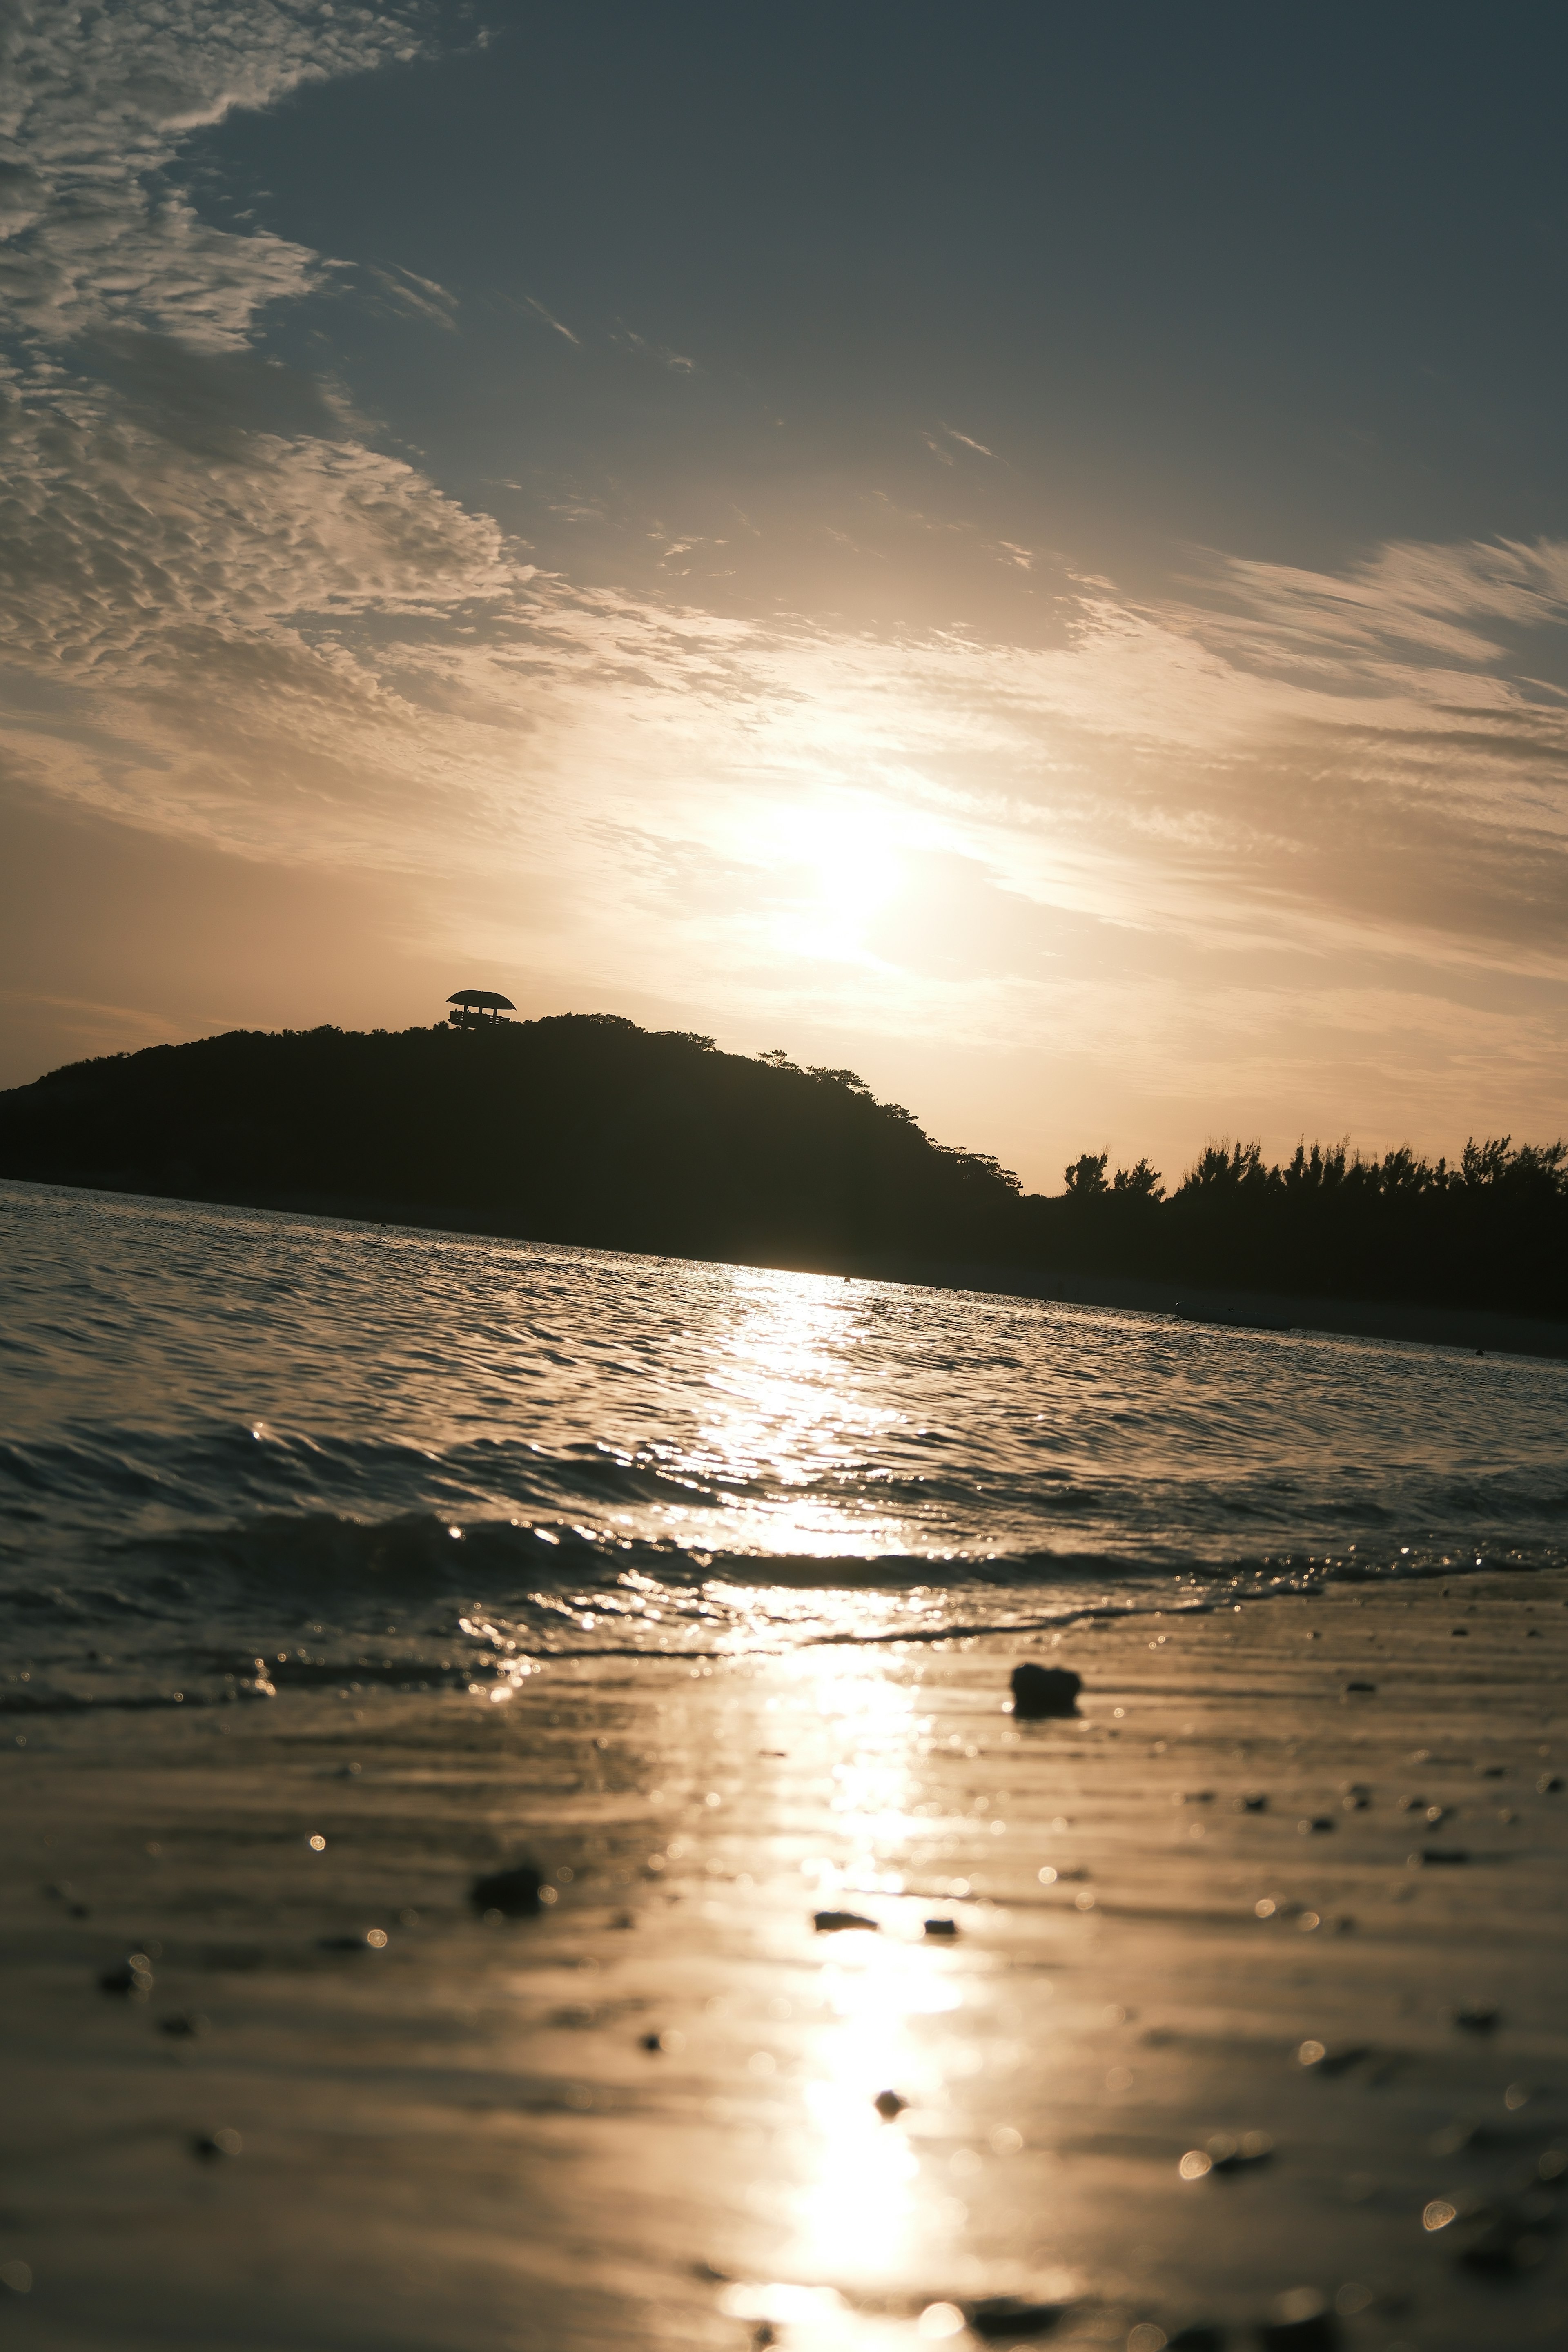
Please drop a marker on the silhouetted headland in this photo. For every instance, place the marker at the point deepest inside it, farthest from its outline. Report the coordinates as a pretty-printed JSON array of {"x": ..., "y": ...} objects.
[{"x": 582, "y": 1127}]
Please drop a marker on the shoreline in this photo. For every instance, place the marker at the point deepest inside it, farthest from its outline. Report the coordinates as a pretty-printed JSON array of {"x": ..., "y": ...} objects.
[
  {"x": 1472, "y": 1330},
  {"x": 458, "y": 2138}
]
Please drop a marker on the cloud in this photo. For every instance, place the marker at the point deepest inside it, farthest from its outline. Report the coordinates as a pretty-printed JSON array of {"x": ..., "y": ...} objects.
[
  {"x": 965, "y": 442},
  {"x": 676, "y": 361},
  {"x": 91, "y": 113},
  {"x": 421, "y": 297},
  {"x": 551, "y": 321}
]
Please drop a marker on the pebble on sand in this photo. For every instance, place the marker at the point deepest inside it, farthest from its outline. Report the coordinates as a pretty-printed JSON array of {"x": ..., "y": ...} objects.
[
  {"x": 1042, "y": 1691},
  {"x": 131, "y": 1975},
  {"x": 833, "y": 1923},
  {"x": 514, "y": 1892}
]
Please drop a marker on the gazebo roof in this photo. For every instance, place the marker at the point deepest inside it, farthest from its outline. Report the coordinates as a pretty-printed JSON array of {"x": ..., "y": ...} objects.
[{"x": 485, "y": 996}]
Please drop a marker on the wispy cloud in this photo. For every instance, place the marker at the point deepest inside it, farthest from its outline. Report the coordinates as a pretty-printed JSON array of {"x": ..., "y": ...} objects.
[
  {"x": 421, "y": 297},
  {"x": 551, "y": 320},
  {"x": 676, "y": 361},
  {"x": 965, "y": 442}
]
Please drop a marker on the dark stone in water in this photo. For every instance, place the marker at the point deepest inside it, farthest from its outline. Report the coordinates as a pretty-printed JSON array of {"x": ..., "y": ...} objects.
[
  {"x": 888, "y": 2105},
  {"x": 833, "y": 1923},
  {"x": 513, "y": 1893},
  {"x": 1042, "y": 1691},
  {"x": 1006, "y": 2315},
  {"x": 941, "y": 1927},
  {"x": 133, "y": 1975}
]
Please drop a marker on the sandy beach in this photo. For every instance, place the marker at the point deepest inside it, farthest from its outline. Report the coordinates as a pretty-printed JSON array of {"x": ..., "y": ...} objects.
[{"x": 1304, "y": 1933}]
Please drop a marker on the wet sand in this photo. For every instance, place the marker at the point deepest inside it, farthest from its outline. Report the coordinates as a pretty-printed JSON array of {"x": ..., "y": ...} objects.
[{"x": 463, "y": 2140}]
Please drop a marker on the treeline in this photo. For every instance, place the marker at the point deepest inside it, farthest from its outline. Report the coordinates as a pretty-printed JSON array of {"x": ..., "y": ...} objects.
[
  {"x": 1490, "y": 1229},
  {"x": 583, "y": 1128}
]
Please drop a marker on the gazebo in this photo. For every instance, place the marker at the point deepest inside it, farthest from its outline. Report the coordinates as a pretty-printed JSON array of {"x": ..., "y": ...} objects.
[{"x": 474, "y": 1004}]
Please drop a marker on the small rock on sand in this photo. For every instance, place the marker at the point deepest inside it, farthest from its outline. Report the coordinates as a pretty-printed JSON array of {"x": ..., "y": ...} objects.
[
  {"x": 1042, "y": 1691},
  {"x": 133, "y": 1975},
  {"x": 514, "y": 1892}
]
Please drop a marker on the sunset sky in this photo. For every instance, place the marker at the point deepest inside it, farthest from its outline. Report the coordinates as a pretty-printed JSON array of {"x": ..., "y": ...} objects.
[{"x": 1022, "y": 548}]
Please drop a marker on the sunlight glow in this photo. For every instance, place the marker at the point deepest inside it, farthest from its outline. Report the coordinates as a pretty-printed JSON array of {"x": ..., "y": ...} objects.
[{"x": 840, "y": 860}]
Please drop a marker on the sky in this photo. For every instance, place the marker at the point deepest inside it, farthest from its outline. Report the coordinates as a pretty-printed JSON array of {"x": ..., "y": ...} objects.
[{"x": 1019, "y": 550}]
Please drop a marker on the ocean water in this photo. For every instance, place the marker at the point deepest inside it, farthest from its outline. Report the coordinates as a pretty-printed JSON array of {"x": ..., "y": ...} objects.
[{"x": 242, "y": 1451}]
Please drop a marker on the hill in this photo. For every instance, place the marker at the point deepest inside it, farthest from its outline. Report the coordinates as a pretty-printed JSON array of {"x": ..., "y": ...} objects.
[{"x": 578, "y": 1128}]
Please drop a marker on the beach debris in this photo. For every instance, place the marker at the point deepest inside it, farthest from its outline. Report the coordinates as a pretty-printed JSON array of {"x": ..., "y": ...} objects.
[
  {"x": 1300, "y": 2320},
  {"x": 941, "y": 1928},
  {"x": 837, "y": 1923},
  {"x": 213, "y": 2144},
  {"x": 133, "y": 1977},
  {"x": 1008, "y": 2317},
  {"x": 184, "y": 2024},
  {"x": 1476, "y": 2016},
  {"x": 1042, "y": 1691},
  {"x": 514, "y": 1892},
  {"x": 889, "y": 2105}
]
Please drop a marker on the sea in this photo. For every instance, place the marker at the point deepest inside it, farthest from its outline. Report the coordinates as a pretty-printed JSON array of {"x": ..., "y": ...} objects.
[{"x": 242, "y": 1451}]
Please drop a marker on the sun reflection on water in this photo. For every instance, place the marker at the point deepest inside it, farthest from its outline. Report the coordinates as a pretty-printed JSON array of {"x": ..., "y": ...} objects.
[
  {"x": 862, "y": 2212},
  {"x": 787, "y": 1411}
]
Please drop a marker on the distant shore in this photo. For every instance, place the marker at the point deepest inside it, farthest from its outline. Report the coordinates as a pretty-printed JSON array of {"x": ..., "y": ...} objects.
[{"x": 1249, "y": 2008}]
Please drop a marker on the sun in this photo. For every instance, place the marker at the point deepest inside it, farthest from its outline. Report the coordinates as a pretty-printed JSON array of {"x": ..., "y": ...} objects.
[{"x": 837, "y": 867}]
